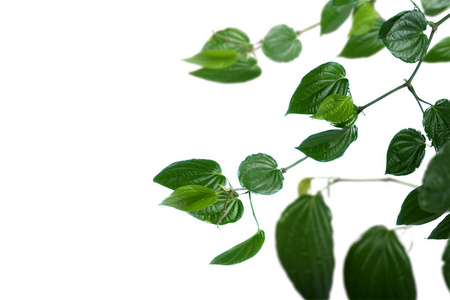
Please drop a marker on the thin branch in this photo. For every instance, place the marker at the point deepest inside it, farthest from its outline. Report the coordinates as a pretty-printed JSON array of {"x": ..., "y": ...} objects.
[
  {"x": 361, "y": 108},
  {"x": 385, "y": 179},
  {"x": 284, "y": 170},
  {"x": 253, "y": 211},
  {"x": 299, "y": 32}
]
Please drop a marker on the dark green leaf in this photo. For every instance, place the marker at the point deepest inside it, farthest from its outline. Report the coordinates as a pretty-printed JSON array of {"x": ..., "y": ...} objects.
[
  {"x": 242, "y": 251},
  {"x": 363, "y": 18},
  {"x": 214, "y": 59},
  {"x": 442, "y": 230},
  {"x": 213, "y": 214},
  {"x": 446, "y": 266},
  {"x": 337, "y": 109},
  {"x": 281, "y": 44},
  {"x": 435, "y": 7},
  {"x": 439, "y": 52},
  {"x": 259, "y": 174},
  {"x": 325, "y": 80},
  {"x": 364, "y": 45},
  {"x": 244, "y": 69},
  {"x": 304, "y": 238},
  {"x": 436, "y": 122},
  {"x": 403, "y": 36},
  {"x": 412, "y": 214},
  {"x": 191, "y": 197},
  {"x": 230, "y": 38},
  {"x": 405, "y": 152},
  {"x": 192, "y": 172},
  {"x": 377, "y": 267},
  {"x": 333, "y": 17},
  {"x": 328, "y": 145},
  {"x": 435, "y": 193},
  {"x": 341, "y": 2}
]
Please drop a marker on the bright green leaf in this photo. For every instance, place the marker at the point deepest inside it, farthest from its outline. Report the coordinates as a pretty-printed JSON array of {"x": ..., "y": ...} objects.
[
  {"x": 336, "y": 109},
  {"x": 442, "y": 230},
  {"x": 378, "y": 267},
  {"x": 436, "y": 122},
  {"x": 363, "y": 18},
  {"x": 214, "y": 59},
  {"x": 446, "y": 266},
  {"x": 327, "y": 79},
  {"x": 435, "y": 7},
  {"x": 364, "y": 45},
  {"x": 439, "y": 52},
  {"x": 329, "y": 145},
  {"x": 405, "y": 152},
  {"x": 231, "y": 39},
  {"x": 191, "y": 197},
  {"x": 303, "y": 186},
  {"x": 412, "y": 214},
  {"x": 333, "y": 17},
  {"x": 341, "y": 2},
  {"x": 304, "y": 239},
  {"x": 281, "y": 44},
  {"x": 242, "y": 251},
  {"x": 259, "y": 174}
]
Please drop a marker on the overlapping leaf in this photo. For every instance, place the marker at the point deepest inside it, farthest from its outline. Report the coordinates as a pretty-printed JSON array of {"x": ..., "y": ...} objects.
[
  {"x": 439, "y": 52},
  {"x": 229, "y": 39},
  {"x": 412, "y": 214},
  {"x": 338, "y": 110},
  {"x": 281, "y": 44},
  {"x": 364, "y": 18},
  {"x": 191, "y": 197},
  {"x": 442, "y": 230},
  {"x": 333, "y": 17},
  {"x": 342, "y": 2},
  {"x": 214, "y": 59},
  {"x": 364, "y": 45},
  {"x": 436, "y": 122},
  {"x": 435, "y": 7},
  {"x": 446, "y": 266}
]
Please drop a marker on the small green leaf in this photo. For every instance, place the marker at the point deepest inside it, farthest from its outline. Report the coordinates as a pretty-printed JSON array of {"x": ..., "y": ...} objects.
[
  {"x": 363, "y": 18},
  {"x": 364, "y": 45},
  {"x": 259, "y": 174},
  {"x": 213, "y": 214},
  {"x": 436, "y": 122},
  {"x": 327, "y": 79},
  {"x": 341, "y": 2},
  {"x": 439, "y": 52},
  {"x": 214, "y": 59},
  {"x": 191, "y": 197},
  {"x": 229, "y": 39},
  {"x": 405, "y": 152},
  {"x": 435, "y": 7},
  {"x": 304, "y": 240},
  {"x": 337, "y": 109},
  {"x": 403, "y": 35},
  {"x": 333, "y": 17},
  {"x": 329, "y": 145},
  {"x": 442, "y": 230},
  {"x": 242, "y": 251},
  {"x": 412, "y": 214},
  {"x": 378, "y": 267},
  {"x": 446, "y": 266},
  {"x": 281, "y": 44},
  {"x": 303, "y": 186},
  {"x": 192, "y": 172},
  {"x": 244, "y": 69}
]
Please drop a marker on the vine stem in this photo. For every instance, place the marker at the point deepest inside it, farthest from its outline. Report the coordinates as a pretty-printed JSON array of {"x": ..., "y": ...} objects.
[
  {"x": 438, "y": 23},
  {"x": 253, "y": 211},
  {"x": 361, "y": 108},
  {"x": 299, "y": 32},
  {"x": 284, "y": 170},
  {"x": 385, "y": 179}
]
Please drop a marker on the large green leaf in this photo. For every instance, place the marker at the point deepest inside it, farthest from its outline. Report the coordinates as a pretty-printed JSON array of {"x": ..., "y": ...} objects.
[
  {"x": 405, "y": 152},
  {"x": 341, "y": 2},
  {"x": 242, "y": 251},
  {"x": 364, "y": 45},
  {"x": 192, "y": 172},
  {"x": 191, "y": 197},
  {"x": 377, "y": 267},
  {"x": 231, "y": 39},
  {"x": 327, "y": 79},
  {"x": 304, "y": 239},
  {"x": 281, "y": 44},
  {"x": 442, "y": 230},
  {"x": 403, "y": 35},
  {"x": 337, "y": 109},
  {"x": 435, "y": 7},
  {"x": 436, "y": 122},
  {"x": 329, "y": 145},
  {"x": 435, "y": 193},
  {"x": 446, "y": 266},
  {"x": 214, "y": 59},
  {"x": 439, "y": 52},
  {"x": 333, "y": 17},
  {"x": 412, "y": 214},
  {"x": 259, "y": 174},
  {"x": 364, "y": 18}
]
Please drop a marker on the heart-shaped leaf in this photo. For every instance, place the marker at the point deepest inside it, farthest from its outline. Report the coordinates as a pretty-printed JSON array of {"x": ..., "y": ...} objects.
[
  {"x": 191, "y": 197},
  {"x": 439, "y": 52},
  {"x": 337, "y": 109},
  {"x": 412, "y": 214},
  {"x": 436, "y": 122},
  {"x": 333, "y": 17},
  {"x": 364, "y": 45},
  {"x": 281, "y": 44},
  {"x": 435, "y": 7},
  {"x": 364, "y": 18},
  {"x": 229, "y": 39}
]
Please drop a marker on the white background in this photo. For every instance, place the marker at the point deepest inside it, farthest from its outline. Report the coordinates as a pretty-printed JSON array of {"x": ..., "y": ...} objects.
[{"x": 96, "y": 100}]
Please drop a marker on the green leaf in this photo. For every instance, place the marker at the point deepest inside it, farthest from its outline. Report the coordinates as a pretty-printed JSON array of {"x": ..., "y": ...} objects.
[
  {"x": 363, "y": 18},
  {"x": 304, "y": 241},
  {"x": 327, "y": 79},
  {"x": 337, "y": 109},
  {"x": 403, "y": 35},
  {"x": 341, "y": 2},
  {"x": 412, "y": 214},
  {"x": 439, "y": 52},
  {"x": 214, "y": 59},
  {"x": 192, "y": 172},
  {"x": 436, "y": 122},
  {"x": 191, "y": 197},
  {"x": 446, "y": 266},
  {"x": 259, "y": 174},
  {"x": 244, "y": 69},
  {"x": 435, "y": 7},
  {"x": 242, "y": 251},
  {"x": 405, "y": 152},
  {"x": 328, "y": 145},
  {"x": 378, "y": 267},
  {"x": 364, "y": 45},
  {"x": 304, "y": 186},
  {"x": 442, "y": 230},
  {"x": 213, "y": 214},
  {"x": 435, "y": 193},
  {"x": 281, "y": 44},
  {"x": 333, "y": 17},
  {"x": 230, "y": 39}
]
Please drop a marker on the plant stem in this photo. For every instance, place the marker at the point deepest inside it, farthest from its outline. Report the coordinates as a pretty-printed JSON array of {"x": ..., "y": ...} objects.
[
  {"x": 253, "y": 211},
  {"x": 299, "y": 32},
  {"x": 284, "y": 170},
  {"x": 361, "y": 108},
  {"x": 224, "y": 211},
  {"x": 386, "y": 179},
  {"x": 442, "y": 20}
]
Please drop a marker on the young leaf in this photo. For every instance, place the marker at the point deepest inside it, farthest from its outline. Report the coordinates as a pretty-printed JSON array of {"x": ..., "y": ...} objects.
[
  {"x": 442, "y": 230},
  {"x": 192, "y": 172},
  {"x": 403, "y": 35},
  {"x": 191, "y": 197},
  {"x": 435, "y": 7},
  {"x": 230, "y": 39},
  {"x": 436, "y": 122},
  {"x": 336, "y": 109},
  {"x": 412, "y": 214},
  {"x": 333, "y": 17},
  {"x": 363, "y": 18},
  {"x": 244, "y": 69},
  {"x": 304, "y": 240},
  {"x": 213, "y": 214},
  {"x": 377, "y": 267},
  {"x": 259, "y": 174},
  {"x": 439, "y": 52},
  {"x": 214, "y": 59},
  {"x": 303, "y": 186},
  {"x": 341, "y": 2},
  {"x": 446, "y": 266},
  {"x": 329, "y": 145},
  {"x": 364, "y": 45},
  {"x": 242, "y": 251},
  {"x": 327, "y": 79},
  {"x": 405, "y": 152},
  {"x": 281, "y": 44}
]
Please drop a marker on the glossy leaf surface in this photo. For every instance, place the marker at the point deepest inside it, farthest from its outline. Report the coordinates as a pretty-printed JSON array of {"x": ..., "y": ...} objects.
[
  {"x": 436, "y": 122},
  {"x": 364, "y": 45},
  {"x": 281, "y": 44},
  {"x": 442, "y": 230},
  {"x": 341, "y": 2},
  {"x": 336, "y": 109},
  {"x": 378, "y": 267},
  {"x": 213, "y": 214},
  {"x": 446, "y": 266},
  {"x": 435, "y": 7},
  {"x": 214, "y": 59},
  {"x": 304, "y": 239},
  {"x": 333, "y": 17},
  {"x": 191, "y": 197},
  {"x": 229, "y": 38},
  {"x": 439, "y": 52},
  {"x": 412, "y": 214},
  {"x": 363, "y": 18}
]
